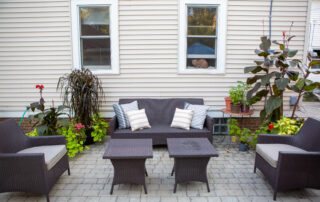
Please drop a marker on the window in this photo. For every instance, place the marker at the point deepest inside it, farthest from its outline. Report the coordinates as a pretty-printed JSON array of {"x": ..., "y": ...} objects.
[
  {"x": 202, "y": 36},
  {"x": 95, "y": 35},
  {"x": 316, "y": 56}
]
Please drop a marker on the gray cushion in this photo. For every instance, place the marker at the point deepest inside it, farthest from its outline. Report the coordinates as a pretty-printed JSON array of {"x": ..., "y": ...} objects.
[
  {"x": 199, "y": 114},
  {"x": 270, "y": 152},
  {"x": 161, "y": 111},
  {"x": 160, "y": 130},
  {"x": 120, "y": 111},
  {"x": 52, "y": 153}
]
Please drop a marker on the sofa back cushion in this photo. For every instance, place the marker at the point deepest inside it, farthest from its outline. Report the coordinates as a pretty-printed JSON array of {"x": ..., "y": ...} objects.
[{"x": 161, "y": 111}]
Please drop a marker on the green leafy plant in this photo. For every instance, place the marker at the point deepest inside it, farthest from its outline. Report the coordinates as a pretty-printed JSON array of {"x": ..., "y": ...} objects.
[
  {"x": 270, "y": 84},
  {"x": 47, "y": 121},
  {"x": 304, "y": 85},
  {"x": 238, "y": 93},
  {"x": 32, "y": 133},
  {"x": 75, "y": 137},
  {"x": 245, "y": 135},
  {"x": 288, "y": 126},
  {"x": 99, "y": 128},
  {"x": 82, "y": 91}
]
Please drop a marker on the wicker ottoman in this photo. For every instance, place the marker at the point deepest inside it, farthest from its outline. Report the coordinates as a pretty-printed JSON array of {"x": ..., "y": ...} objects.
[
  {"x": 191, "y": 157},
  {"x": 128, "y": 157}
]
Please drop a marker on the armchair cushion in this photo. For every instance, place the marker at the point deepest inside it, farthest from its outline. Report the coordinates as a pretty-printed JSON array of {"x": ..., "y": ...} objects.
[
  {"x": 52, "y": 153},
  {"x": 270, "y": 152}
]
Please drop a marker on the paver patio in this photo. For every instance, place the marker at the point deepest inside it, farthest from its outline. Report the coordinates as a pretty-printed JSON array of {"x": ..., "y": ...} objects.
[{"x": 231, "y": 178}]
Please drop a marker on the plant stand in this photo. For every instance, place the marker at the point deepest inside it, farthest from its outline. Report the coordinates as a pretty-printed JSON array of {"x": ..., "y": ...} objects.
[{"x": 238, "y": 115}]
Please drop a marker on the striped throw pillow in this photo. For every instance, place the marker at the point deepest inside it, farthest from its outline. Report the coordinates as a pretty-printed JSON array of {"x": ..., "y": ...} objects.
[
  {"x": 182, "y": 119},
  {"x": 120, "y": 111},
  {"x": 199, "y": 115},
  {"x": 138, "y": 119}
]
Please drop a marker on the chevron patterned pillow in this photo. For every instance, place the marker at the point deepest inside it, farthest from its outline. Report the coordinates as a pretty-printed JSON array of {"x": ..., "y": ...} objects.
[
  {"x": 120, "y": 111},
  {"x": 199, "y": 114}
]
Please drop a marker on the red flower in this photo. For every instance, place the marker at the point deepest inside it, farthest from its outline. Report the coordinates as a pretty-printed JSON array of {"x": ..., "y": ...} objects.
[
  {"x": 42, "y": 86},
  {"x": 37, "y": 86},
  {"x": 284, "y": 33},
  {"x": 270, "y": 126}
]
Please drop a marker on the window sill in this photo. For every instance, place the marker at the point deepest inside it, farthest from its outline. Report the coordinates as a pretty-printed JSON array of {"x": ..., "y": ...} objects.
[
  {"x": 201, "y": 71},
  {"x": 104, "y": 71}
]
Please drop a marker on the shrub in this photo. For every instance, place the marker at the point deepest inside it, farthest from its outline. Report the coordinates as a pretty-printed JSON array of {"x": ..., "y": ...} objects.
[
  {"x": 75, "y": 137},
  {"x": 287, "y": 126},
  {"x": 32, "y": 133},
  {"x": 99, "y": 128}
]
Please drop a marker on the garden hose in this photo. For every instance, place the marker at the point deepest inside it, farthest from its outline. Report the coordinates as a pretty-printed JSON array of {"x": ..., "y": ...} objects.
[{"x": 25, "y": 111}]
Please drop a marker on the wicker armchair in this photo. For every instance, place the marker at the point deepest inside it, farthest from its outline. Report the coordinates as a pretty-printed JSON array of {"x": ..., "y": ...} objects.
[
  {"x": 291, "y": 162},
  {"x": 30, "y": 164}
]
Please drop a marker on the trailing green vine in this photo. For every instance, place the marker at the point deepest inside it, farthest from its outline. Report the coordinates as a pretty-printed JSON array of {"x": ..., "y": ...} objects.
[{"x": 99, "y": 128}]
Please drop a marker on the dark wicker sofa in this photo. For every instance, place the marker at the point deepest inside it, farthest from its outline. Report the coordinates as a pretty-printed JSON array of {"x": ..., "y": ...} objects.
[
  {"x": 160, "y": 113},
  {"x": 30, "y": 164},
  {"x": 291, "y": 162}
]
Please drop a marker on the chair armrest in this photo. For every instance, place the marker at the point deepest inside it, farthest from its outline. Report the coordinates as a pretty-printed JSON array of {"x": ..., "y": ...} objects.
[
  {"x": 209, "y": 123},
  {"x": 272, "y": 139},
  {"x": 24, "y": 167},
  {"x": 47, "y": 140},
  {"x": 113, "y": 124},
  {"x": 299, "y": 161}
]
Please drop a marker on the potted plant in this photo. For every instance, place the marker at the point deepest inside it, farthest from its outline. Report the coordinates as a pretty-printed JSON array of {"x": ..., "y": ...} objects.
[
  {"x": 82, "y": 91},
  {"x": 47, "y": 121},
  {"x": 237, "y": 94},
  {"x": 228, "y": 103},
  {"x": 245, "y": 104},
  {"x": 245, "y": 139}
]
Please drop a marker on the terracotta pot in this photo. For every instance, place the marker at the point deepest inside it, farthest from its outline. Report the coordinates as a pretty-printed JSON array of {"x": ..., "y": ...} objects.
[
  {"x": 235, "y": 108},
  {"x": 245, "y": 108},
  {"x": 228, "y": 103}
]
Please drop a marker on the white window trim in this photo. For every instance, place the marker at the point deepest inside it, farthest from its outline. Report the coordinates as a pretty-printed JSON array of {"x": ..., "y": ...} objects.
[
  {"x": 221, "y": 35},
  {"x": 114, "y": 35}
]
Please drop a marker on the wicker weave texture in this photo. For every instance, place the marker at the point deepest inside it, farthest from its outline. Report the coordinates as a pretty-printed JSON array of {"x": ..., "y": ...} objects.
[{"x": 294, "y": 169}]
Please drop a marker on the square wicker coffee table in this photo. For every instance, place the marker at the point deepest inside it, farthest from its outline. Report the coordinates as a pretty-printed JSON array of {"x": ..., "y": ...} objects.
[
  {"x": 191, "y": 157},
  {"x": 128, "y": 157}
]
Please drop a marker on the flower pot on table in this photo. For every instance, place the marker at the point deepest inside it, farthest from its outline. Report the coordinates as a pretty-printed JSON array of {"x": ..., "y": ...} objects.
[
  {"x": 235, "y": 108},
  {"x": 228, "y": 103},
  {"x": 245, "y": 108}
]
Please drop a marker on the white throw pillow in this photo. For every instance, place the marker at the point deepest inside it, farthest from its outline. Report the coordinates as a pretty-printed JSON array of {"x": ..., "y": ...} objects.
[
  {"x": 182, "y": 119},
  {"x": 138, "y": 119},
  {"x": 199, "y": 115}
]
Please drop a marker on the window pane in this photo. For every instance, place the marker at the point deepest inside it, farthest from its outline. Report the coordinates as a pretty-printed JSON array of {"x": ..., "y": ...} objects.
[
  {"x": 94, "y": 21},
  {"x": 201, "y": 63},
  {"x": 316, "y": 56},
  {"x": 204, "y": 46},
  {"x": 202, "y": 20},
  {"x": 96, "y": 52}
]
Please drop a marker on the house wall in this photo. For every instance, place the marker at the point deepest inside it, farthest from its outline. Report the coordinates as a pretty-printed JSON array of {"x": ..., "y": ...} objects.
[
  {"x": 36, "y": 47},
  {"x": 315, "y": 24}
]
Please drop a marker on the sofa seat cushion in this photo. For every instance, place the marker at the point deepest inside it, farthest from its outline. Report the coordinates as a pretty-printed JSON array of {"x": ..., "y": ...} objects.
[
  {"x": 52, "y": 153},
  {"x": 270, "y": 152},
  {"x": 160, "y": 130}
]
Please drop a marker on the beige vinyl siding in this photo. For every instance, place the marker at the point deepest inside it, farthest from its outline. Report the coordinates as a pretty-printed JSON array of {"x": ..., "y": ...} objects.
[{"x": 35, "y": 47}]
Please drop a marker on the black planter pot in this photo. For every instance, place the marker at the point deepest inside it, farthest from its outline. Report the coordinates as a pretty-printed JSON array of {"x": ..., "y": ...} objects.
[
  {"x": 89, "y": 139},
  {"x": 235, "y": 108},
  {"x": 245, "y": 108},
  {"x": 243, "y": 147}
]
